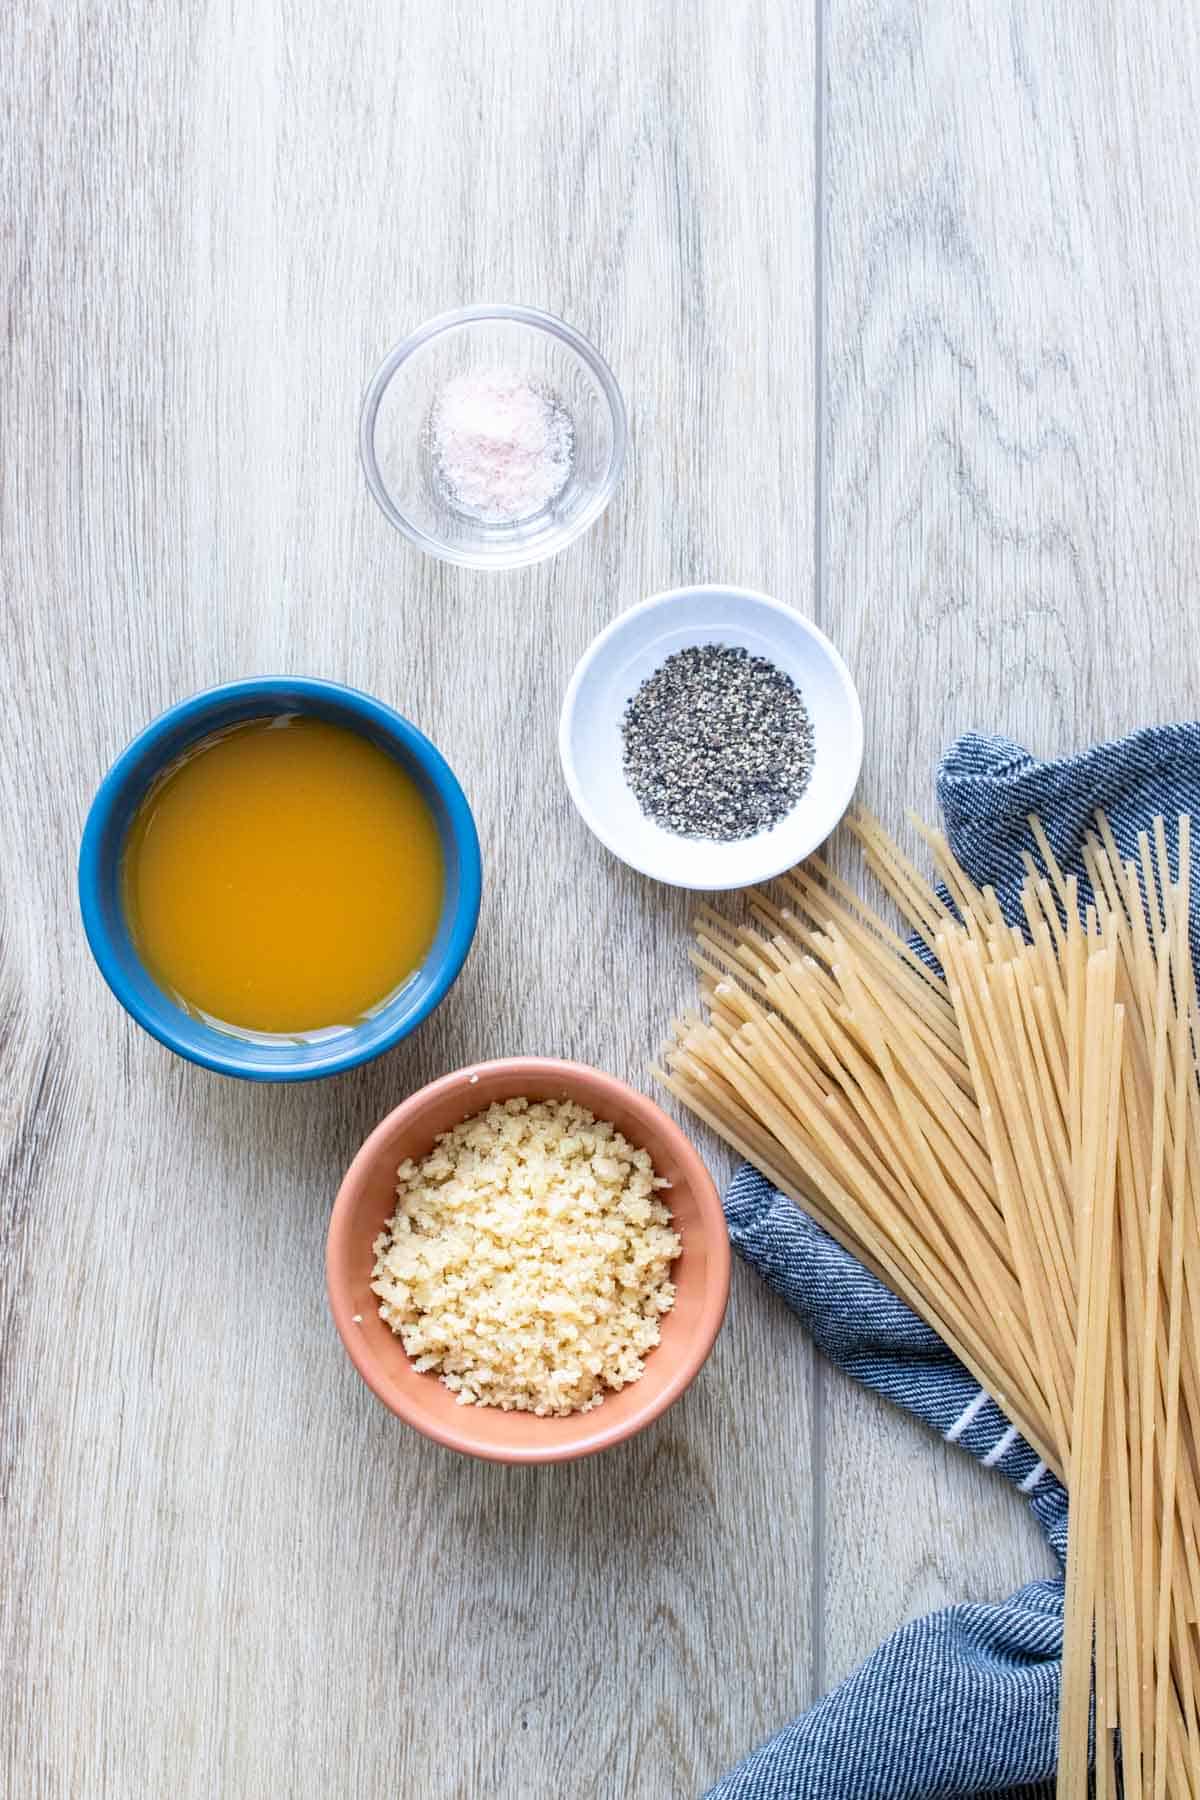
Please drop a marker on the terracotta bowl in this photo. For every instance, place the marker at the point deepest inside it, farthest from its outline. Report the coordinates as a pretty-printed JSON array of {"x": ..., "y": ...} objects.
[{"x": 366, "y": 1200}]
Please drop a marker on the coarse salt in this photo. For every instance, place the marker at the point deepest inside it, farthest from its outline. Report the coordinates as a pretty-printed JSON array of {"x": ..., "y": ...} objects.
[{"x": 503, "y": 448}]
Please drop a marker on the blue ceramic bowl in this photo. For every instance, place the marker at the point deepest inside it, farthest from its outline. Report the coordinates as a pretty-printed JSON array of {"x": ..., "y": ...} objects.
[{"x": 271, "y": 1058}]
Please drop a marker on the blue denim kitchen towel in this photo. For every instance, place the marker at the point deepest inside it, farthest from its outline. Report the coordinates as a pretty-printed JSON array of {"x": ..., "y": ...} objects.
[{"x": 964, "y": 1702}]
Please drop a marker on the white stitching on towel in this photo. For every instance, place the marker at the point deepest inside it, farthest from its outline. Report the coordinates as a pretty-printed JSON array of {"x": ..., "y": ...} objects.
[
  {"x": 966, "y": 1415},
  {"x": 999, "y": 1447}
]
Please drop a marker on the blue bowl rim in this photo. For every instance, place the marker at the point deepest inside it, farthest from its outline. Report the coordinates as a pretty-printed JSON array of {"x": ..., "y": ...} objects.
[{"x": 272, "y": 689}]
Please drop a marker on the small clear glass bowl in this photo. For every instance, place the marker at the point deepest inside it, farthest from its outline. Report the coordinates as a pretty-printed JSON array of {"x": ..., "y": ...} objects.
[{"x": 396, "y": 440}]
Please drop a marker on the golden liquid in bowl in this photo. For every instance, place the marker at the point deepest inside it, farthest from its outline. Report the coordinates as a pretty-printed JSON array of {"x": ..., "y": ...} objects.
[{"x": 285, "y": 875}]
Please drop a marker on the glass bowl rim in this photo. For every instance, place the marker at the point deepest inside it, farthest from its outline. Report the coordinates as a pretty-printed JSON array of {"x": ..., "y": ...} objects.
[{"x": 407, "y": 347}]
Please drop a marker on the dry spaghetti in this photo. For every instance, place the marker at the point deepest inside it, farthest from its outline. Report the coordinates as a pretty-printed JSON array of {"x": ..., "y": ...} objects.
[{"x": 1012, "y": 1142}]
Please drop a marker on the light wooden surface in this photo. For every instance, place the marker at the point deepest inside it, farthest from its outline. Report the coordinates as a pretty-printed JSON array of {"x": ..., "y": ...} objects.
[
  {"x": 903, "y": 301},
  {"x": 1010, "y": 461}
]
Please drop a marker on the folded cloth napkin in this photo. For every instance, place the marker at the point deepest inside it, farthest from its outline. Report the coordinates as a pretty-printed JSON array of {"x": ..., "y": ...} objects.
[{"x": 964, "y": 1702}]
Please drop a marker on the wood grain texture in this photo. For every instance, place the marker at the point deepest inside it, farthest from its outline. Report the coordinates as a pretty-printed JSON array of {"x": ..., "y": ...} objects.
[
  {"x": 1010, "y": 456},
  {"x": 227, "y": 1571}
]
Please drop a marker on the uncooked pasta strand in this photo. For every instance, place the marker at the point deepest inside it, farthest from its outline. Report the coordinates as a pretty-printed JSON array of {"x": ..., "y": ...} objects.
[
  {"x": 916, "y": 1124},
  {"x": 1047, "y": 1103},
  {"x": 1125, "y": 1693},
  {"x": 920, "y": 905},
  {"x": 972, "y": 904},
  {"x": 1085, "y": 1600},
  {"x": 1050, "y": 862},
  {"x": 954, "y": 1105},
  {"x": 1013, "y": 1145},
  {"x": 977, "y": 1350},
  {"x": 832, "y": 900},
  {"x": 880, "y": 944},
  {"x": 968, "y": 985},
  {"x": 1176, "y": 928}
]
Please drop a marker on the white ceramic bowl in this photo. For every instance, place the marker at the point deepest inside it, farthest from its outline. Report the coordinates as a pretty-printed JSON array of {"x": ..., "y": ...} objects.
[{"x": 631, "y": 648}]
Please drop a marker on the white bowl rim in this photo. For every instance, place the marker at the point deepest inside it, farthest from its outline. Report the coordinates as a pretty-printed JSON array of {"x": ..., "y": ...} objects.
[
  {"x": 448, "y": 321},
  {"x": 671, "y": 596}
]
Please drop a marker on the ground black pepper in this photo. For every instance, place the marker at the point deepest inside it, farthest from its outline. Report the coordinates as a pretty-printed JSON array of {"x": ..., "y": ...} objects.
[{"x": 717, "y": 743}]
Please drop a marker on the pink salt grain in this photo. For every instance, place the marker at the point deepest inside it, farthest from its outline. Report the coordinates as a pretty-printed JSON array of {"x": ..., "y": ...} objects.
[{"x": 502, "y": 448}]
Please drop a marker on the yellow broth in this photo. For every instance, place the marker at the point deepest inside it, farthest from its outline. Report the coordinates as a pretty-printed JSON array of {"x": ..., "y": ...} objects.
[{"x": 284, "y": 876}]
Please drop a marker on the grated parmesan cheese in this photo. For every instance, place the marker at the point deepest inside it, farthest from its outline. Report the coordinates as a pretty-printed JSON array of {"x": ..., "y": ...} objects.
[{"x": 528, "y": 1260}]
